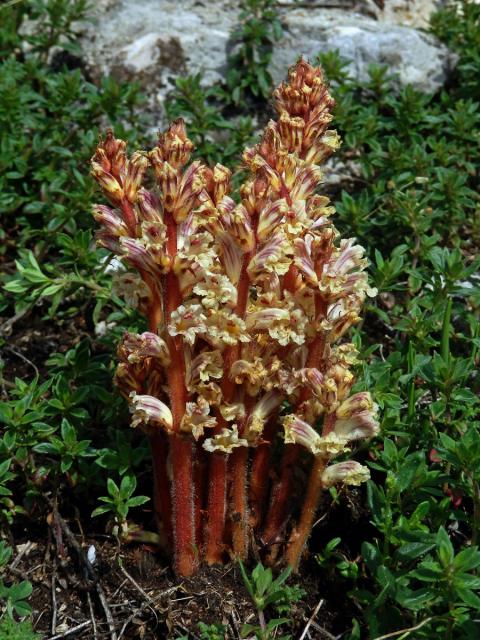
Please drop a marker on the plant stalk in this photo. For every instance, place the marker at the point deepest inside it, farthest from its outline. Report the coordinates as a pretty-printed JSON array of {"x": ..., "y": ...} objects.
[
  {"x": 181, "y": 449},
  {"x": 259, "y": 477},
  {"x": 312, "y": 500},
  {"x": 217, "y": 506},
  {"x": 239, "y": 460}
]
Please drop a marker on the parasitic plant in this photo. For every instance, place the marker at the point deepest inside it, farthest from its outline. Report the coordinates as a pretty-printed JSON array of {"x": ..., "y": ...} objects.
[{"x": 247, "y": 307}]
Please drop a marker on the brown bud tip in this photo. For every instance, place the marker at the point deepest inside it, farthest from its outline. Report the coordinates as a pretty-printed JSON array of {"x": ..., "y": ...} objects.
[
  {"x": 174, "y": 146},
  {"x": 110, "y": 154}
]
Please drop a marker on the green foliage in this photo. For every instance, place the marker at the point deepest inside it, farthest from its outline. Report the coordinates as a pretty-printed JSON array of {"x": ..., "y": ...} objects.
[
  {"x": 201, "y": 108},
  {"x": 119, "y": 501},
  {"x": 13, "y": 597},
  {"x": 14, "y": 630},
  {"x": 266, "y": 591},
  {"x": 211, "y": 631},
  {"x": 415, "y": 207},
  {"x": 458, "y": 25},
  {"x": 253, "y": 41},
  {"x": 50, "y": 116}
]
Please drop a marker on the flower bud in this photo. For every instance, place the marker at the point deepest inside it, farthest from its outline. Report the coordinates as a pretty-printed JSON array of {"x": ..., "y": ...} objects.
[
  {"x": 110, "y": 154},
  {"x": 136, "y": 168},
  {"x": 148, "y": 206},
  {"x": 136, "y": 253},
  {"x": 298, "y": 431},
  {"x": 270, "y": 217},
  {"x": 148, "y": 410},
  {"x": 110, "y": 220},
  {"x": 135, "y": 347},
  {"x": 108, "y": 183},
  {"x": 348, "y": 472},
  {"x": 174, "y": 146},
  {"x": 261, "y": 412},
  {"x": 356, "y": 417}
]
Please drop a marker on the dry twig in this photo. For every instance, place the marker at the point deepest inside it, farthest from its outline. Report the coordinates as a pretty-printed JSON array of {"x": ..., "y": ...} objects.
[
  {"x": 92, "y": 616},
  {"x": 71, "y": 631},
  {"x": 108, "y": 613},
  {"x": 404, "y": 632},
  {"x": 54, "y": 599},
  {"x": 312, "y": 617}
]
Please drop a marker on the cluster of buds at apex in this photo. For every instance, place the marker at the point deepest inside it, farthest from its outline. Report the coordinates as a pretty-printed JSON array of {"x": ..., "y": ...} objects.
[{"x": 246, "y": 300}]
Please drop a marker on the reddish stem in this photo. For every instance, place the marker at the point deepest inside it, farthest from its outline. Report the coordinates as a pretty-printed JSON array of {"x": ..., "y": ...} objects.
[
  {"x": 259, "y": 477},
  {"x": 281, "y": 496},
  {"x": 280, "y": 503},
  {"x": 181, "y": 452},
  {"x": 162, "y": 502},
  {"x": 201, "y": 483},
  {"x": 217, "y": 497},
  {"x": 181, "y": 449},
  {"x": 300, "y": 536},
  {"x": 239, "y": 460},
  {"x": 217, "y": 506}
]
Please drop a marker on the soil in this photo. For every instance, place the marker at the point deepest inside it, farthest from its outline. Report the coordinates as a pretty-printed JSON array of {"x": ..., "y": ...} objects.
[{"x": 144, "y": 598}]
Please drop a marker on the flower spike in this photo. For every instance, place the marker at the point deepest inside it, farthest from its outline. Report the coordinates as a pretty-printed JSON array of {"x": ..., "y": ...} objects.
[{"x": 246, "y": 298}]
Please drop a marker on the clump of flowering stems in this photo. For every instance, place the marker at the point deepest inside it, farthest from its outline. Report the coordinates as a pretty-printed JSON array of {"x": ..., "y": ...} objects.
[{"x": 247, "y": 304}]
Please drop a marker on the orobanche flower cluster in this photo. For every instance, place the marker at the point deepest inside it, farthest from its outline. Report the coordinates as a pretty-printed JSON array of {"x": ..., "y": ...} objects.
[{"x": 245, "y": 366}]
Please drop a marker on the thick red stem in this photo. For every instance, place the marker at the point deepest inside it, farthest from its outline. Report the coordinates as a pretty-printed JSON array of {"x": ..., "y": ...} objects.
[
  {"x": 280, "y": 504},
  {"x": 162, "y": 502},
  {"x": 302, "y": 532},
  {"x": 181, "y": 452},
  {"x": 259, "y": 477},
  {"x": 181, "y": 449},
  {"x": 201, "y": 483},
  {"x": 312, "y": 500},
  {"x": 217, "y": 496},
  {"x": 239, "y": 461},
  {"x": 217, "y": 506}
]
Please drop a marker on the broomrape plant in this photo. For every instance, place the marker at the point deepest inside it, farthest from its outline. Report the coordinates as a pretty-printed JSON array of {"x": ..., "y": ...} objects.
[{"x": 247, "y": 305}]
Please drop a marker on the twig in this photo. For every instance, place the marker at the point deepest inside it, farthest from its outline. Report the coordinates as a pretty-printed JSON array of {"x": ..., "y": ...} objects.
[
  {"x": 118, "y": 589},
  {"x": 73, "y": 541},
  {"x": 143, "y": 606},
  {"x": 26, "y": 549},
  {"x": 6, "y": 327},
  {"x": 54, "y": 599},
  {"x": 71, "y": 631},
  {"x": 92, "y": 616},
  {"x": 138, "y": 587},
  {"x": 404, "y": 631},
  {"x": 313, "y": 616},
  {"x": 235, "y": 623},
  {"x": 324, "y": 632},
  {"x": 25, "y": 359},
  {"x": 108, "y": 613},
  {"x": 135, "y": 584}
]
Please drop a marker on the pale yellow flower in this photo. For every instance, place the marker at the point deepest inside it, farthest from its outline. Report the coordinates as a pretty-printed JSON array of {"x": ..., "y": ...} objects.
[{"x": 225, "y": 442}]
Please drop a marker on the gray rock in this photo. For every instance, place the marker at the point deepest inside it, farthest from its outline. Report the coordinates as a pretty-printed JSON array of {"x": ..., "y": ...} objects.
[
  {"x": 414, "y": 57},
  {"x": 154, "y": 41}
]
